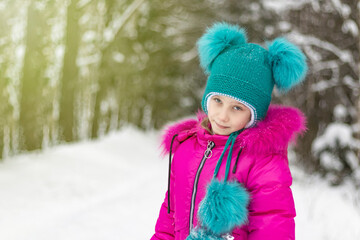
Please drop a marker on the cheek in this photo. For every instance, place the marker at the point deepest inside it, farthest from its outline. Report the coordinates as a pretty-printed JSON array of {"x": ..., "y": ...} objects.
[
  {"x": 242, "y": 120},
  {"x": 248, "y": 116},
  {"x": 211, "y": 110}
]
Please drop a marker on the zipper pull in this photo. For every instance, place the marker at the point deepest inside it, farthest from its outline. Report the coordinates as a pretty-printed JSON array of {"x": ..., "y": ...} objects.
[{"x": 208, "y": 152}]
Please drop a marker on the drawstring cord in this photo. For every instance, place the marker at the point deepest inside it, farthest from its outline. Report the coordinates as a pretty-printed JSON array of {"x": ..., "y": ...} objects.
[
  {"x": 236, "y": 162},
  {"x": 231, "y": 140},
  {"x": 168, "y": 192}
]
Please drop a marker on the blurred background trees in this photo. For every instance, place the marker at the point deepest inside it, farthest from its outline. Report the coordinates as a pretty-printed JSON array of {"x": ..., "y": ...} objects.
[{"x": 78, "y": 69}]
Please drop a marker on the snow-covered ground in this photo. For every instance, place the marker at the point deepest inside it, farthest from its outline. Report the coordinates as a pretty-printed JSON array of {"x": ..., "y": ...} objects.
[{"x": 112, "y": 188}]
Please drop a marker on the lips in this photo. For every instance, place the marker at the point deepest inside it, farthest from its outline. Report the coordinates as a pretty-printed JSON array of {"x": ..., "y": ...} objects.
[{"x": 221, "y": 126}]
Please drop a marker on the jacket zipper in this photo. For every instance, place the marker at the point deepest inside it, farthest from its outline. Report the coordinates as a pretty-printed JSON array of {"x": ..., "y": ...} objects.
[{"x": 207, "y": 154}]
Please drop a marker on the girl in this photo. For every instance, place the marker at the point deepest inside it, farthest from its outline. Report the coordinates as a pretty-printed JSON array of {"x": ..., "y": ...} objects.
[{"x": 229, "y": 177}]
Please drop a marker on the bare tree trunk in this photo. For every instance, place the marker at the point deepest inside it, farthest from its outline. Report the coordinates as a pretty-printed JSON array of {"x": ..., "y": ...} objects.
[
  {"x": 32, "y": 79},
  {"x": 69, "y": 74},
  {"x": 358, "y": 108},
  {"x": 358, "y": 103}
]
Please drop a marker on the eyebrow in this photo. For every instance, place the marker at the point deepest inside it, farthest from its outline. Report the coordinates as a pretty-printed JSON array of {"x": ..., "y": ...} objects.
[
  {"x": 237, "y": 103},
  {"x": 233, "y": 101}
]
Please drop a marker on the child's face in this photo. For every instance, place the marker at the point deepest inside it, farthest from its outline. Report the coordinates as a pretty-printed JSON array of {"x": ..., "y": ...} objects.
[{"x": 227, "y": 115}]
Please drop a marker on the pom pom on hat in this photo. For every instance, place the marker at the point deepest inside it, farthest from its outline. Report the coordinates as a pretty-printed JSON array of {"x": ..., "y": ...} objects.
[
  {"x": 288, "y": 64},
  {"x": 217, "y": 38},
  {"x": 224, "y": 207}
]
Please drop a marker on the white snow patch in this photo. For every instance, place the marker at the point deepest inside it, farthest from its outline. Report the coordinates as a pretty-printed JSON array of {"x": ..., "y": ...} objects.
[
  {"x": 283, "y": 5},
  {"x": 330, "y": 161},
  {"x": 89, "y": 36},
  {"x": 284, "y": 26},
  {"x": 349, "y": 26},
  {"x": 341, "y": 8},
  {"x": 335, "y": 132},
  {"x": 325, "y": 212},
  {"x": 118, "y": 57},
  {"x": 340, "y": 112}
]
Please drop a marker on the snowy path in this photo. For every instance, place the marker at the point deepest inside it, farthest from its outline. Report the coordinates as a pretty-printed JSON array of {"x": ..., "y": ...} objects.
[{"x": 112, "y": 189}]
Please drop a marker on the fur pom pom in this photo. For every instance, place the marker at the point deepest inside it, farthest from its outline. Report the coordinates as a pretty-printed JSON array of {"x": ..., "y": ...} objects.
[
  {"x": 202, "y": 234},
  {"x": 217, "y": 38},
  {"x": 224, "y": 207},
  {"x": 288, "y": 64}
]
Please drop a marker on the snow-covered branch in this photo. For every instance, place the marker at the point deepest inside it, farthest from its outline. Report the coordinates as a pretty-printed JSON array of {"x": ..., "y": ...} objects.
[
  {"x": 117, "y": 24},
  {"x": 343, "y": 55}
]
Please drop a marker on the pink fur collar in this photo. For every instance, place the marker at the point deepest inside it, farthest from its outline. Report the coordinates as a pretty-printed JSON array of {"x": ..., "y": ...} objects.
[{"x": 281, "y": 125}]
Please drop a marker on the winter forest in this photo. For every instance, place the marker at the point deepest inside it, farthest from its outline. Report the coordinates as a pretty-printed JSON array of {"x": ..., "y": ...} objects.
[{"x": 77, "y": 70}]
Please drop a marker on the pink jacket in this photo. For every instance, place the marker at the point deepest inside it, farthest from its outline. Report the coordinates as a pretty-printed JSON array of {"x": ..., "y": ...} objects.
[{"x": 259, "y": 162}]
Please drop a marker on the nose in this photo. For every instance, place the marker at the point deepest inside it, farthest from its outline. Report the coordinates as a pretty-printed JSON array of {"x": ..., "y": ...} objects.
[{"x": 223, "y": 115}]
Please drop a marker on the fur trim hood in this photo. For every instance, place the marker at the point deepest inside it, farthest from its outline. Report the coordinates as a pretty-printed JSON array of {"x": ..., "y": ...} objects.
[{"x": 281, "y": 125}]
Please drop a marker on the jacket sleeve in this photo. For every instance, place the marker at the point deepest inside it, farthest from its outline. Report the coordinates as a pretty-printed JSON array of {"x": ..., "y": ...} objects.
[
  {"x": 164, "y": 228},
  {"x": 271, "y": 208},
  {"x": 165, "y": 225}
]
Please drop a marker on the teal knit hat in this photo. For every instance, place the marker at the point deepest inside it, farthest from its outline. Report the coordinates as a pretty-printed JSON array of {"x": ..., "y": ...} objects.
[{"x": 247, "y": 72}]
